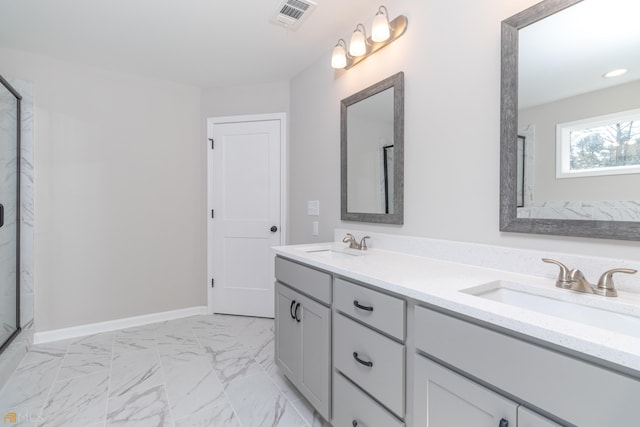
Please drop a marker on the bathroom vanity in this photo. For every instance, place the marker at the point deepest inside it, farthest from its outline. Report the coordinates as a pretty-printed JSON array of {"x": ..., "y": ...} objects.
[{"x": 381, "y": 338}]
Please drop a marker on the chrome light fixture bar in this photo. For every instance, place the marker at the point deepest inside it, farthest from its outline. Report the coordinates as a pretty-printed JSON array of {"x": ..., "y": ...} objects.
[{"x": 360, "y": 46}]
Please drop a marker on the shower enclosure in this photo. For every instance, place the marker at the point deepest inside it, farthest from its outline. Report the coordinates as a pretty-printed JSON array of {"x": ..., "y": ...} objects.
[{"x": 9, "y": 213}]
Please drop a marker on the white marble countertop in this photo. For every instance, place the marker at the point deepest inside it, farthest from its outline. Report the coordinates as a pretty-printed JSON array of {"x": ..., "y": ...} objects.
[{"x": 439, "y": 283}]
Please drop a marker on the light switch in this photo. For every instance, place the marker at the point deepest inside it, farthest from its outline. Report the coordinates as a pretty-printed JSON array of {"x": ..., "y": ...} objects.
[
  {"x": 313, "y": 208},
  {"x": 315, "y": 228}
]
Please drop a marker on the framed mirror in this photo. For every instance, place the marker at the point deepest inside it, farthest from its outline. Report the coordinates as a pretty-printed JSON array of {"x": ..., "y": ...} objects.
[
  {"x": 570, "y": 135},
  {"x": 372, "y": 153}
]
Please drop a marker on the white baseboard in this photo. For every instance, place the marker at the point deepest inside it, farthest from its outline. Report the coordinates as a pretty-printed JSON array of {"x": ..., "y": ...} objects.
[{"x": 114, "y": 325}]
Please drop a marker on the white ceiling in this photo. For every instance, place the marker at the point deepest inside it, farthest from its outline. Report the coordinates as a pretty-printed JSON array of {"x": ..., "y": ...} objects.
[{"x": 207, "y": 43}]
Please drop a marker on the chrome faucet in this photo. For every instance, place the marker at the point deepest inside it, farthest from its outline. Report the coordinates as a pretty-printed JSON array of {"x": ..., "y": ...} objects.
[
  {"x": 353, "y": 244},
  {"x": 574, "y": 280}
]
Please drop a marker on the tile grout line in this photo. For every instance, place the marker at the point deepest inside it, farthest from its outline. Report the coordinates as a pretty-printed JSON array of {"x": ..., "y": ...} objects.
[
  {"x": 106, "y": 404},
  {"x": 280, "y": 390},
  {"x": 164, "y": 377},
  {"x": 224, "y": 389},
  {"x": 283, "y": 393},
  {"x": 55, "y": 380}
]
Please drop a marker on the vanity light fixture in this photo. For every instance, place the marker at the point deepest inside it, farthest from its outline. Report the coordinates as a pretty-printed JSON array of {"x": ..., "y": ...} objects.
[
  {"x": 380, "y": 28},
  {"x": 615, "y": 73},
  {"x": 360, "y": 47},
  {"x": 358, "y": 43},
  {"x": 339, "y": 56}
]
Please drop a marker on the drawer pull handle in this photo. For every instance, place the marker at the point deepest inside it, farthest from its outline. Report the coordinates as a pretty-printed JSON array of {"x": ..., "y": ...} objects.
[
  {"x": 291, "y": 309},
  {"x": 362, "y": 307},
  {"x": 296, "y": 313},
  {"x": 362, "y": 362},
  {"x": 503, "y": 423}
]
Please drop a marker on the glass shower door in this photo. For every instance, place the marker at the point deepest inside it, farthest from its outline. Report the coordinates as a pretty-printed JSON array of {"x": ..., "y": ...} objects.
[{"x": 9, "y": 212}]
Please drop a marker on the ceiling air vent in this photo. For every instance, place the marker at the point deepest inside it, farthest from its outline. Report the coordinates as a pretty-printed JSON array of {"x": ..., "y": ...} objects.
[{"x": 292, "y": 12}]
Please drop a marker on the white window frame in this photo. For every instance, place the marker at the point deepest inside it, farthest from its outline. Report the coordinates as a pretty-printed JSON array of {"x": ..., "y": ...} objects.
[{"x": 563, "y": 151}]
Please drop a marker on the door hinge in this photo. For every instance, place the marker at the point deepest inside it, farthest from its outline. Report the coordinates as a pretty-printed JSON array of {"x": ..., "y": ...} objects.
[
  {"x": 213, "y": 282},
  {"x": 211, "y": 139}
]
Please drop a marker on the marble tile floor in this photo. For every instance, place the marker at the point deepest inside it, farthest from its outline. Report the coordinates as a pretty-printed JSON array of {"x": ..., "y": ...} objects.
[{"x": 213, "y": 370}]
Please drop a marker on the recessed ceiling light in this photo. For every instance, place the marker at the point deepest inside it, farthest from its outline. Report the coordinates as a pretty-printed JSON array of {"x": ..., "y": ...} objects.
[{"x": 615, "y": 73}]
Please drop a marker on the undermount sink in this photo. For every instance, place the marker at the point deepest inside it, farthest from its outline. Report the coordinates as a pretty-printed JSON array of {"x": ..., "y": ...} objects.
[
  {"x": 609, "y": 315},
  {"x": 336, "y": 253}
]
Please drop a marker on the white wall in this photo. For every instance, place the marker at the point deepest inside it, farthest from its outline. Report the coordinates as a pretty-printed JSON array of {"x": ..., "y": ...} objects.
[
  {"x": 119, "y": 193},
  {"x": 239, "y": 101},
  {"x": 545, "y": 117},
  {"x": 451, "y": 58}
]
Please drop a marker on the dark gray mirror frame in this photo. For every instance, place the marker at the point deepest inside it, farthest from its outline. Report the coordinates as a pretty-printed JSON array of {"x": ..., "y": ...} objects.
[
  {"x": 397, "y": 217},
  {"x": 620, "y": 230}
]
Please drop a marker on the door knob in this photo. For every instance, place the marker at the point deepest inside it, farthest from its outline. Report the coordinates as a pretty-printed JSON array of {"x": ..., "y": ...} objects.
[{"x": 273, "y": 229}]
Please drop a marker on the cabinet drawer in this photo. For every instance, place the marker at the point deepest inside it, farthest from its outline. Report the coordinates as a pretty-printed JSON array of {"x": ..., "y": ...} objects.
[
  {"x": 557, "y": 383},
  {"x": 351, "y": 404},
  {"x": 315, "y": 283},
  {"x": 384, "y": 379},
  {"x": 386, "y": 314}
]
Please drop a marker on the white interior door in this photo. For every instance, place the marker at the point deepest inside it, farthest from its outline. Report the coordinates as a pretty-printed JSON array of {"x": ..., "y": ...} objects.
[{"x": 245, "y": 183}]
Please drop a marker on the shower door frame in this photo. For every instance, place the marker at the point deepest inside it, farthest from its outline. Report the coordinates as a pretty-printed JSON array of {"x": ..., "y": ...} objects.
[{"x": 15, "y": 93}]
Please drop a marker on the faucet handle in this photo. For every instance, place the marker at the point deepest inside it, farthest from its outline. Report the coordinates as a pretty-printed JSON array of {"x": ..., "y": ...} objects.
[
  {"x": 564, "y": 275},
  {"x": 606, "y": 286},
  {"x": 363, "y": 243}
]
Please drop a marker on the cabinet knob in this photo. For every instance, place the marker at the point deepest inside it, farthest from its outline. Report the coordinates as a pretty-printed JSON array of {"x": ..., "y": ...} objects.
[
  {"x": 354, "y": 423},
  {"x": 503, "y": 423},
  {"x": 273, "y": 229}
]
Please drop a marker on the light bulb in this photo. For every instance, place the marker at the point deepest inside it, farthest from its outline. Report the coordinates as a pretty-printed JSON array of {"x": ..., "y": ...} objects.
[
  {"x": 339, "y": 56},
  {"x": 358, "y": 43},
  {"x": 380, "y": 28}
]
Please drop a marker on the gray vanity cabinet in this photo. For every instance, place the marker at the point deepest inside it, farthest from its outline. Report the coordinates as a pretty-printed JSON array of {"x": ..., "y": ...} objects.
[
  {"x": 443, "y": 398},
  {"x": 368, "y": 356},
  {"x": 557, "y": 383},
  {"x": 528, "y": 418},
  {"x": 303, "y": 340}
]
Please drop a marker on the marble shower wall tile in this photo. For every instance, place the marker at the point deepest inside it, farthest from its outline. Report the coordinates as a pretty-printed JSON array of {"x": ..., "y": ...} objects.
[
  {"x": 26, "y": 200},
  {"x": 13, "y": 354}
]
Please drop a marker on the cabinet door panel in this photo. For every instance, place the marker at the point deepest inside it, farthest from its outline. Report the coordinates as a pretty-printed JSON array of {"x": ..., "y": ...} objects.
[
  {"x": 443, "y": 398},
  {"x": 287, "y": 333},
  {"x": 315, "y": 372}
]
